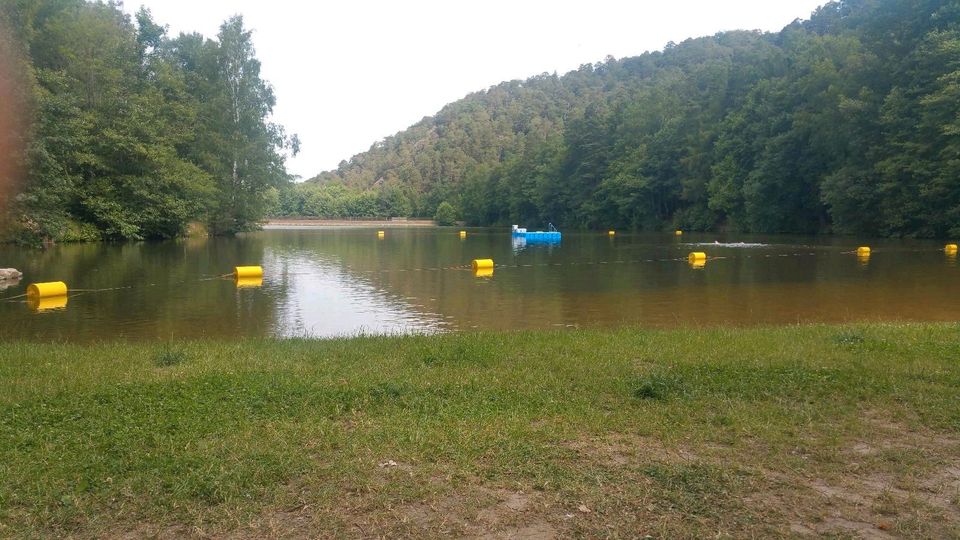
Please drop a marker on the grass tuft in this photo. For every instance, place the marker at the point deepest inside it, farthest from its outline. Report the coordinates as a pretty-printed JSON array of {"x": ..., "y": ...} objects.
[
  {"x": 657, "y": 387},
  {"x": 849, "y": 338},
  {"x": 170, "y": 355}
]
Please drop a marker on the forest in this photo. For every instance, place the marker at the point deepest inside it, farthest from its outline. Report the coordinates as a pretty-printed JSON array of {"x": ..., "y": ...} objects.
[
  {"x": 847, "y": 122},
  {"x": 129, "y": 133}
]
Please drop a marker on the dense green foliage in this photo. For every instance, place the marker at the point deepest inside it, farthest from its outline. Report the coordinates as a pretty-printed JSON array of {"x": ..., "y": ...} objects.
[
  {"x": 847, "y": 122},
  {"x": 446, "y": 214},
  {"x": 335, "y": 200},
  {"x": 136, "y": 134}
]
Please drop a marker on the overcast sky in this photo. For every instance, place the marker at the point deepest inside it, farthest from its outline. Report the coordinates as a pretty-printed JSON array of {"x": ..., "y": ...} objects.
[{"x": 351, "y": 72}]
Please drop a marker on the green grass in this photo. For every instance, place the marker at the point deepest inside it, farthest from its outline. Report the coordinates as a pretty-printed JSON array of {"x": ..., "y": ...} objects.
[{"x": 669, "y": 433}]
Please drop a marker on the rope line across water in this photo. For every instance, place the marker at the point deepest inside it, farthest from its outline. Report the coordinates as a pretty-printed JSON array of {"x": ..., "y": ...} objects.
[{"x": 78, "y": 292}]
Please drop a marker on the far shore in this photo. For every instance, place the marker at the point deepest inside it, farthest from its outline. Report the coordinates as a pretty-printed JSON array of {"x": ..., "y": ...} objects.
[{"x": 329, "y": 223}]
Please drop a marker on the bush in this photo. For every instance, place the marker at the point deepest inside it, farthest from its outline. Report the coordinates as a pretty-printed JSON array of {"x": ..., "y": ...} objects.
[
  {"x": 80, "y": 232},
  {"x": 446, "y": 214}
]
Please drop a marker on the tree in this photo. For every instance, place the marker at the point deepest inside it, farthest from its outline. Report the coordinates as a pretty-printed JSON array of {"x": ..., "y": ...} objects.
[
  {"x": 135, "y": 135},
  {"x": 845, "y": 122},
  {"x": 251, "y": 146},
  {"x": 446, "y": 214},
  {"x": 848, "y": 122}
]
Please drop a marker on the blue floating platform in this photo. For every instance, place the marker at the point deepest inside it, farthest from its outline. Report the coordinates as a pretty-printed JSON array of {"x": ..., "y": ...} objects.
[{"x": 538, "y": 236}]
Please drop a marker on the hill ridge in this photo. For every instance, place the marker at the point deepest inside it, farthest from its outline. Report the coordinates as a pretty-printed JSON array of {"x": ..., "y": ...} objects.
[{"x": 844, "y": 122}]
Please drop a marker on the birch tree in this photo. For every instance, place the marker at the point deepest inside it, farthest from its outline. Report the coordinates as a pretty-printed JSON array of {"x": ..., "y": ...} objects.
[{"x": 253, "y": 146}]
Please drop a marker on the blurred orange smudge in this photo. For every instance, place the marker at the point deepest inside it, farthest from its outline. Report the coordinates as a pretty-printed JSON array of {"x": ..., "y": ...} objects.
[{"x": 12, "y": 128}]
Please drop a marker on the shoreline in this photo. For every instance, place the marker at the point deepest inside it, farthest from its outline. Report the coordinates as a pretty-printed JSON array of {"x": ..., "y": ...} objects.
[
  {"x": 845, "y": 430},
  {"x": 278, "y": 223}
]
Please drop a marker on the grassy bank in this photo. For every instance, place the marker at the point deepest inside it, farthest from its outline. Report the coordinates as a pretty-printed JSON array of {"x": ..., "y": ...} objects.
[{"x": 851, "y": 430}]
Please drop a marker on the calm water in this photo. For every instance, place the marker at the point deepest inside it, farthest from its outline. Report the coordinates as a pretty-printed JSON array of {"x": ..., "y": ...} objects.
[{"x": 347, "y": 281}]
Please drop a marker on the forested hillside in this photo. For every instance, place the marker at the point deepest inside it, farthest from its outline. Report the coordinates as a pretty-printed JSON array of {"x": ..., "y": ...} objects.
[
  {"x": 848, "y": 122},
  {"x": 132, "y": 133}
]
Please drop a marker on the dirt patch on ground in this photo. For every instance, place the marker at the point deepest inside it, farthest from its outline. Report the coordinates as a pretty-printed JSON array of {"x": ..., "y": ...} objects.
[
  {"x": 897, "y": 482},
  {"x": 903, "y": 482},
  {"x": 148, "y": 530},
  {"x": 469, "y": 510},
  {"x": 627, "y": 450}
]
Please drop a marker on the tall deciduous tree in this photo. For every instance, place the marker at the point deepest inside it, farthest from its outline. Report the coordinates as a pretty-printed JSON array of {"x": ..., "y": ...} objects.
[
  {"x": 251, "y": 147},
  {"x": 133, "y": 134}
]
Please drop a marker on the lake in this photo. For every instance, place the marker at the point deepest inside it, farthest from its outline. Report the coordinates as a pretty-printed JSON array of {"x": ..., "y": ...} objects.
[{"x": 346, "y": 281}]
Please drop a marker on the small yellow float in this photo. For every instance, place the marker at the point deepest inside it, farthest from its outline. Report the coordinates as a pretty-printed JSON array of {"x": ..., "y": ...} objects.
[
  {"x": 247, "y": 272},
  {"x": 47, "y": 290}
]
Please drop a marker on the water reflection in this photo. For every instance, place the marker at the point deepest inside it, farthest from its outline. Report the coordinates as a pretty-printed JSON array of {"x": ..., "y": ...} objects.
[
  {"x": 248, "y": 282},
  {"x": 318, "y": 298},
  {"x": 483, "y": 272},
  {"x": 8, "y": 283},
  {"x": 336, "y": 282},
  {"x": 46, "y": 303}
]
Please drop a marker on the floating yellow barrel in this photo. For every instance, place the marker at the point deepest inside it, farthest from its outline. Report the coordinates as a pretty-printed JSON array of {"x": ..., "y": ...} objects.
[
  {"x": 381, "y": 234},
  {"x": 863, "y": 251},
  {"x": 611, "y": 233},
  {"x": 47, "y": 290},
  {"x": 697, "y": 256},
  {"x": 248, "y": 282},
  {"x": 950, "y": 249},
  {"x": 37, "y": 303},
  {"x": 483, "y": 272},
  {"x": 482, "y": 264},
  {"x": 463, "y": 234},
  {"x": 245, "y": 272},
  {"x": 678, "y": 232}
]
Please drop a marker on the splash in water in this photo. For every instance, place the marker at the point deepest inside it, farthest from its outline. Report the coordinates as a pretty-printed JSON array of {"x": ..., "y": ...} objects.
[{"x": 729, "y": 244}]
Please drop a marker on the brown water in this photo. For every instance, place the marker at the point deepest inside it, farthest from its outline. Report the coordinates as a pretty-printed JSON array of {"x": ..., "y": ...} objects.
[{"x": 329, "y": 282}]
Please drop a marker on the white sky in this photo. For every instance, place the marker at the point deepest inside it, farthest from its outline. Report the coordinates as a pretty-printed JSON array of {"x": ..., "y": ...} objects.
[{"x": 349, "y": 73}]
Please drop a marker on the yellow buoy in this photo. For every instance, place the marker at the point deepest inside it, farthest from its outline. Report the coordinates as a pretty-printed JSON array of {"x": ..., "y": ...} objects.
[
  {"x": 248, "y": 282},
  {"x": 482, "y": 264},
  {"x": 37, "y": 303},
  {"x": 248, "y": 272},
  {"x": 611, "y": 233},
  {"x": 697, "y": 256},
  {"x": 483, "y": 272},
  {"x": 950, "y": 248},
  {"x": 381, "y": 234},
  {"x": 678, "y": 232},
  {"x": 47, "y": 290},
  {"x": 863, "y": 251},
  {"x": 463, "y": 234}
]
